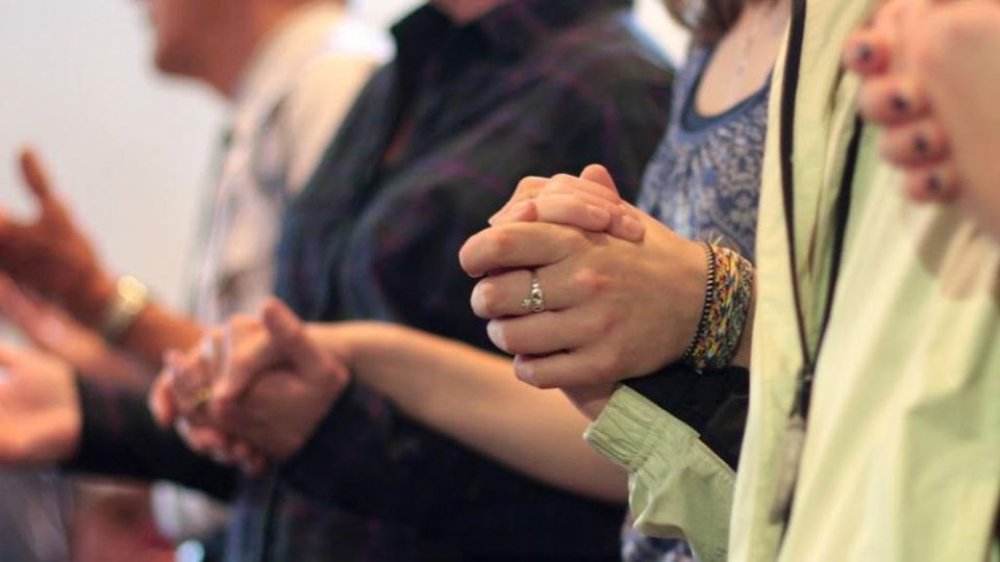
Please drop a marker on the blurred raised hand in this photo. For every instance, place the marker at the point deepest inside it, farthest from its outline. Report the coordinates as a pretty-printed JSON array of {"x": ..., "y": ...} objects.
[{"x": 51, "y": 254}]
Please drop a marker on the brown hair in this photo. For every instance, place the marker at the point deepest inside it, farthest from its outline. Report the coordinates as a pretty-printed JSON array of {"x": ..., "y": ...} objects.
[{"x": 708, "y": 20}]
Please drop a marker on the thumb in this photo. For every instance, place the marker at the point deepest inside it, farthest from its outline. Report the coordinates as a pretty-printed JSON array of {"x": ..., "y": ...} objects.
[
  {"x": 291, "y": 338},
  {"x": 599, "y": 174}
]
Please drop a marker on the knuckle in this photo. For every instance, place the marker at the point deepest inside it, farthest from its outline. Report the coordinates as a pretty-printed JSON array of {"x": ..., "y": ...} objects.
[{"x": 591, "y": 282}]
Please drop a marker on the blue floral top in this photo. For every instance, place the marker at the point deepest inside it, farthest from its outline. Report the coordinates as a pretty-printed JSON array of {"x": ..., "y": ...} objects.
[{"x": 704, "y": 183}]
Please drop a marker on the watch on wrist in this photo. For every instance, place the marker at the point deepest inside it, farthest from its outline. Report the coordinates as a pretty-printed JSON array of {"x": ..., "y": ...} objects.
[{"x": 131, "y": 296}]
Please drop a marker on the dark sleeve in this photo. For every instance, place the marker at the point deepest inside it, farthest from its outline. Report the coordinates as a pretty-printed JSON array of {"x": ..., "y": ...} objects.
[
  {"x": 119, "y": 437},
  {"x": 714, "y": 403}
]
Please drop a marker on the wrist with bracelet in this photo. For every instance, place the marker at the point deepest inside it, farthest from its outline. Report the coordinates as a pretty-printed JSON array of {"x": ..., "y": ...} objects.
[
  {"x": 129, "y": 299},
  {"x": 728, "y": 297}
]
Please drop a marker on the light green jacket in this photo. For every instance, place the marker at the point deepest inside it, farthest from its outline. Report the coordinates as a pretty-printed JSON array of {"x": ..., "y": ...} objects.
[{"x": 902, "y": 455}]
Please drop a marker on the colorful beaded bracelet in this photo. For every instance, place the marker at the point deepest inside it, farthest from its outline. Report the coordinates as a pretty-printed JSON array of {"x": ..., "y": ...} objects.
[{"x": 728, "y": 296}]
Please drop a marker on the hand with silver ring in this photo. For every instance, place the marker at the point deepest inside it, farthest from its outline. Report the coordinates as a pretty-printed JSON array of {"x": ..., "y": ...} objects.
[{"x": 613, "y": 309}]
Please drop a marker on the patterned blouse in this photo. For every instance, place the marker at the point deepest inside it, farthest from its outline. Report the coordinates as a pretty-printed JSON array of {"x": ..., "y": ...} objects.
[{"x": 703, "y": 182}]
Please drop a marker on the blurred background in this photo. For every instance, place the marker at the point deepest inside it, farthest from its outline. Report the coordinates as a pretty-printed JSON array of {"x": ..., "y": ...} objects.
[
  {"x": 127, "y": 147},
  {"x": 130, "y": 151}
]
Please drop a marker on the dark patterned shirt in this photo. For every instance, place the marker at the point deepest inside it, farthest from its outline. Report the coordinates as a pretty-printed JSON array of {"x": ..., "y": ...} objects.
[{"x": 535, "y": 87}]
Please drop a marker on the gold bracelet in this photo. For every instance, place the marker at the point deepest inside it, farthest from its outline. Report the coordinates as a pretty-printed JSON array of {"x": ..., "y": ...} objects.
[{"x": 131, "y": 296}]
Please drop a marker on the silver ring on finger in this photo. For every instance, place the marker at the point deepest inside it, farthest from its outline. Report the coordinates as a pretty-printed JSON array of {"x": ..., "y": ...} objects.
[{"x": 535, "y": 301}]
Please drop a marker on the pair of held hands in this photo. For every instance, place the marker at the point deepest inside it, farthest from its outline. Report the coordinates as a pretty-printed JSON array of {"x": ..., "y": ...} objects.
[
  {"x": 255, "y": 391},
  {"x": 266, "y": 384}
]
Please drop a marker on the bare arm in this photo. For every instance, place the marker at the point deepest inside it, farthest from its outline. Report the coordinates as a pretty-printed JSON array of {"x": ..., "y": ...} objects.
[{"x": 474, "y": 397}]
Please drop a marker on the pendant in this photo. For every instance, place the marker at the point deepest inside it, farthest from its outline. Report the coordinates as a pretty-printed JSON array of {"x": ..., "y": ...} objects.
[{"x": 788, "y": 467}]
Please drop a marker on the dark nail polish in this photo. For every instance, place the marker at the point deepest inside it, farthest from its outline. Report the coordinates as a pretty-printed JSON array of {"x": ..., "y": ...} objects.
[
  {"x": 921, "y": 145},
  {"x": 899, "y": 103},
  {"x": 935, "y": 184},
  {"x": 864, "y": 53}
]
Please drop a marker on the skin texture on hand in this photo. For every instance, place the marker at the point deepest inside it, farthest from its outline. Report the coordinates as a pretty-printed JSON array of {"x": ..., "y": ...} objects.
[
  {"x": 40, "y": 418},
  {"x": 590, "y": 202},
  {"x": 930, "y": 78},
  {"x": 261, "y": 391},
  {"x": 614, "y": 309}
]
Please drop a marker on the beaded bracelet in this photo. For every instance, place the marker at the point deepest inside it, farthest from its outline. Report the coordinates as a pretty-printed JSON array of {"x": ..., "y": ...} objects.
[
  {"x": 699, "y": 334},
  {"x": 728, "y": 295}
]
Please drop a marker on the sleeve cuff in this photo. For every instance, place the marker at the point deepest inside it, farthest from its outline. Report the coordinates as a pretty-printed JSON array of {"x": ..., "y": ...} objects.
[{"x": 677, "y": 485}]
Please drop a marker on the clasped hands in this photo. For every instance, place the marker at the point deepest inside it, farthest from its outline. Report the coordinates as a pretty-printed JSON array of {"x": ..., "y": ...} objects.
[
  {"x": 253, "y": 392},
  {"x": 623, "y": 294},
  {"x": 929, "y": 77}
]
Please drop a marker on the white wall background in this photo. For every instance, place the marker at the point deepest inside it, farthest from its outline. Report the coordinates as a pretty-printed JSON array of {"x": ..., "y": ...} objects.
[{"x": 128, "y": 149}]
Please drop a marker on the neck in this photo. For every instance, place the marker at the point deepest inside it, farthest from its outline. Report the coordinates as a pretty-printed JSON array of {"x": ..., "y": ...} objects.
[{"x": 464, "y": 11}]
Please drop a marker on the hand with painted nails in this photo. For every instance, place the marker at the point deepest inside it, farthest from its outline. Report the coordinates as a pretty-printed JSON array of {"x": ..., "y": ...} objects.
[
  {"x": 258, "y": 389},
  {"x": 590, "y": 202},
  {"x": 931, "y": 74},
  {"x": 607, "y": 309}
]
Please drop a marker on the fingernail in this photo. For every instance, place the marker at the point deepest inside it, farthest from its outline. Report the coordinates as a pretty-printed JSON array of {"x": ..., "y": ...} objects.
[
  {"x": 864, "y": 53},
  {"x": 899, "y": 103},
  {"x": 935, "y": 184},
  {"x": 524, "y": 372},
  {"x": 921, "y": 145}
]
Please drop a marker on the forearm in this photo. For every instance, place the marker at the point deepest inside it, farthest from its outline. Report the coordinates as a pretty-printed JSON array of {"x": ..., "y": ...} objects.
[
  {"x": 120, "y": 438},
  {"x": 154, "y": 330},
  {"x": 473, "y": 397}
]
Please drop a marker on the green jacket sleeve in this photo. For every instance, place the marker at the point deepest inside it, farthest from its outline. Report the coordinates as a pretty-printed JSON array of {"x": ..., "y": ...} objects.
[{"x": 677, "y": 486}]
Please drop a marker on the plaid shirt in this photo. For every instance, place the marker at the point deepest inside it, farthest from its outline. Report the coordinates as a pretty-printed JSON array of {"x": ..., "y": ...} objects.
[{"x": 535, "y": 87}]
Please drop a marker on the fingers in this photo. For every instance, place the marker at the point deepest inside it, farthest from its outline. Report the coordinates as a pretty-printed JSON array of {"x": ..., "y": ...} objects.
[
  {"x": 920, "y": 143},
  {"x": 892, "y": 100},
  {"x": 544, "y": 333},
  {"x": 248, "y": 353},
  {"x": 934, "y": 184},
  {"x": 578, "y": 210},
  {"x": 519, "y": 245},
  {"x": 588, "y": 366},
  {"x": 504, "y": 295},
  {"x": 291, "y": 337},
  {"x": 161, "y": 400},
  {"x": 527, "y": 189},
  {"x": 867, "y": 53},
  {"x": 600, "y": 175}
]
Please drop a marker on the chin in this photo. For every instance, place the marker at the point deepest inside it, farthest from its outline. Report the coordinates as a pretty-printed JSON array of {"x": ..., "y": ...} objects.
[{"x": 168, "y": 63}]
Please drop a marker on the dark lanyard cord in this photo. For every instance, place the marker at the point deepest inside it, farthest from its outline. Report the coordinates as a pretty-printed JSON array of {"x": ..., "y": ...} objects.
[
  {"x": 842, "y": 208},
  {"x": 799, "y": 414}
]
